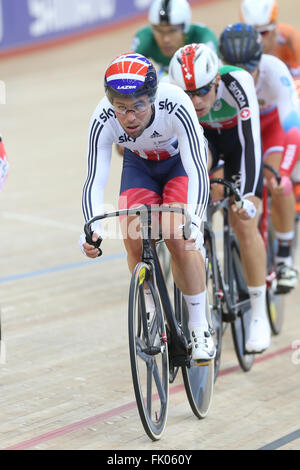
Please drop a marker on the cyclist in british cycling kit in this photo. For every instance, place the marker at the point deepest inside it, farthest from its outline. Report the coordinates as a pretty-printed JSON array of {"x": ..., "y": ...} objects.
[
  {"x": 280, "y": 40},
  {"x": 226, "y": 105},
  {"x": 170, "y": 28},
  {"x": 165, "y": 162},
  {"x": 241, "y": 45}
]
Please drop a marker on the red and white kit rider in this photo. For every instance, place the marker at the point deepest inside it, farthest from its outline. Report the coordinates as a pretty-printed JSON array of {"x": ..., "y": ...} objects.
[{"x": 279, "y": 109}]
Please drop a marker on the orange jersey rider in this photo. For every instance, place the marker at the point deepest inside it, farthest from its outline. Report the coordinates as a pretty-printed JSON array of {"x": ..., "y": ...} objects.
[{"x": 281, "y": 40}]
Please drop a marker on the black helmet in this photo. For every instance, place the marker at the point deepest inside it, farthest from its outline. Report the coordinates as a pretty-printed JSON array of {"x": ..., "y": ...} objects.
[{"x": 241, "y": 45}]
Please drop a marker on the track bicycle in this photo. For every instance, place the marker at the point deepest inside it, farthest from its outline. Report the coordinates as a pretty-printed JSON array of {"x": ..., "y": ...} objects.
[
  {"x": 159, "y": 344},
  {"x": 218, "y": 287},
  {"x": 226, "y": 286}
]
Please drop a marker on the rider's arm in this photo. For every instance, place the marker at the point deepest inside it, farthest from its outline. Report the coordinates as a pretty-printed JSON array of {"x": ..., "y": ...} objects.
[
  {"x": 199, "y": 33},
  {"x": 240, "y": 86},
  {"x": 98, "y": 165},
  {"x": 193, "y": 151},
  {"x": 289, "y": 50},
  {"x": 288, "y": 110},
  {"x": 143, "y": 41}
]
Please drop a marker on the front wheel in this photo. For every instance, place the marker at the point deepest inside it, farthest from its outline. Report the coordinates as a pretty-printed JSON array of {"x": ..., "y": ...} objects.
[
  {"x": 148, "y": 354},
  {"x": 198, "y": 379}
]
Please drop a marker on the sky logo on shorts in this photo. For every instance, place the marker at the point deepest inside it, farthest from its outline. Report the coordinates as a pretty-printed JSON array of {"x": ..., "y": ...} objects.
[{"x": 127, "y": 72}]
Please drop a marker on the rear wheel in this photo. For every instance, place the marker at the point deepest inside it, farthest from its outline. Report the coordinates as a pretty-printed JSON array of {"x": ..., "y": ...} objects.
[
  {"x": 148, "y": 354},
  {"x": 214, "y": 302},
  {"x": 275, "y": 302},
  {"x": 240, "y": 326}
]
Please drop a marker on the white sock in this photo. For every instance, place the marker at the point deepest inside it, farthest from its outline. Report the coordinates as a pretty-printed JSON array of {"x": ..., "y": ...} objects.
[
  {"x": 258, "y": 301},
  {"x": 196, "y": 305}
]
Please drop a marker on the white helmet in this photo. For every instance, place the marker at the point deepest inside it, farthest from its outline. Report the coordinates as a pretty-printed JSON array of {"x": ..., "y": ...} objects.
[
  {"x": 172, "y": 12},
  {"x": 259, "y": 12},
  {"x": 193, "y": 66}
]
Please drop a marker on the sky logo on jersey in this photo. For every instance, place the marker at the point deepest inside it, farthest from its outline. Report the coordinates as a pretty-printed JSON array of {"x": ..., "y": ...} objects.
[{"x": 127, "y": 73}]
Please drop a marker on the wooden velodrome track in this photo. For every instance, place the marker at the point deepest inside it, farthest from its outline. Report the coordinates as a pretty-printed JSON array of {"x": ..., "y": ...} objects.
[{"x": 65, "y": 380}]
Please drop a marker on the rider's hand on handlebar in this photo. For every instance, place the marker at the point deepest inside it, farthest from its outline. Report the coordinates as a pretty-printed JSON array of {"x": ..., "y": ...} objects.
[
  {"x": 90, "y": 250},
  {"x": 195, "y": 241},
  {"x": 284, "y": 188},
  {"x": 244, "y": 208}
]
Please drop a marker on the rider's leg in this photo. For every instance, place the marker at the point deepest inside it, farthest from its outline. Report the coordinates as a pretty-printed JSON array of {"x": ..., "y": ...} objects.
[
  {"x": 253, "y": 257},
  {"x": 188, "y": 270},
  {"x": 283, "y": 218},
  {"x": 283, "y": 206},
  {"x": 253, "y": 253},
  {"x": 296, "y": 184}
]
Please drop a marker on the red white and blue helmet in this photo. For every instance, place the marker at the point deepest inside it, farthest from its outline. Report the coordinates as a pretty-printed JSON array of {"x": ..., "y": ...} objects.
[{"x": 130, "y": 74}]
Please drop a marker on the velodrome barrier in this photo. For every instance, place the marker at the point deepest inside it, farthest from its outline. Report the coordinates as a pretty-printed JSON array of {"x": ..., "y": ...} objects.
[{"x": 30, "y": 24}]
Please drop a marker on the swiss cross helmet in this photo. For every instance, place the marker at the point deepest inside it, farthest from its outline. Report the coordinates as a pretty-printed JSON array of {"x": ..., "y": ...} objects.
[
  {"x": 241, "y": 45},
  {"x": 259, "y": 12},
  {"x": 170, "y": 12},
  {"x": 193, "y": 66},
  {"x": 130, "y": 75}
]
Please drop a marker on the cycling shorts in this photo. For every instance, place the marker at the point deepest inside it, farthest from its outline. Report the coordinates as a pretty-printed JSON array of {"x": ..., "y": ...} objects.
[
  {"x": 272, "y": 134},
  {"x": 224, "y": 144},
  {"x": 152, "y": 182}
]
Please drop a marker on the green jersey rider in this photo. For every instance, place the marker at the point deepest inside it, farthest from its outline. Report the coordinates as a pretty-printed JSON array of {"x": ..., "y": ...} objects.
[{"x": 170, "y": 28}]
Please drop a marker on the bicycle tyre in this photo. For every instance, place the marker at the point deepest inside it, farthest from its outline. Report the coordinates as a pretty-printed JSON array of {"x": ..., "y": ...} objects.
[
  {"x": 275, "y": 302},
  {"x": 212, "y": 290},
  {"x": 240, "y": 326},
  {"x": 149, "y": 360},
  {"x": 198, "y": 379}
]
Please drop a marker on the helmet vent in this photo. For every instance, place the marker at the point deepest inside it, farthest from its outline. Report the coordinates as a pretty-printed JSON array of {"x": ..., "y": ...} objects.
[{"x": 164, "y": 13}]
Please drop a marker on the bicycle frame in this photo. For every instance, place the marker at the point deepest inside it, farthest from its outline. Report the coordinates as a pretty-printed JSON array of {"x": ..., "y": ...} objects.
[
  {"x": 179, "y": 345},
  {"x": 264, "y": 225},
  {"x": 229, "y": 240},
  {"x": 178, "y": 348}
]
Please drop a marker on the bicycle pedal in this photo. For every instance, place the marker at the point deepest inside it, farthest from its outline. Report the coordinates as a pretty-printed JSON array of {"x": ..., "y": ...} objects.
[
  {"x": 179, "y": 361},
  {"x": 228, "y": 317},
  {"x": 282, "y": 290},
  {"x": 152, "y": 351},
  {"x": 251, "y": 353}
]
